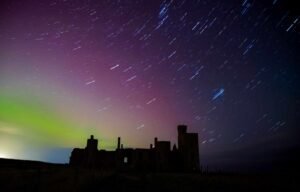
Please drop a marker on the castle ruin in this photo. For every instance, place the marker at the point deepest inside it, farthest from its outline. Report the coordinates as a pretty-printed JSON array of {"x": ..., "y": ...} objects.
[{"x": 159, "y": 157}]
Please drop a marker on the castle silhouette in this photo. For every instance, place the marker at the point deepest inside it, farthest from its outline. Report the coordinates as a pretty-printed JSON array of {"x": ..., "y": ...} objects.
[{"x": 159, "y": 157}]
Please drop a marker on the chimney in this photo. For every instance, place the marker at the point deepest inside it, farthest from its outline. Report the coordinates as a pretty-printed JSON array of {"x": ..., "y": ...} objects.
[
  {"x": 92, "y": 144},
  {"x": 119, "y": 142},
  {"x": 155, "y": 142},
  {"x": 181, "y": 129},
  {"x": 181, "y": 137}
]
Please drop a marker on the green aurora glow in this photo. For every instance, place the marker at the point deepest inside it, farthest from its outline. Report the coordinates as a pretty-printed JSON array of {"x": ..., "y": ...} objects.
[{"x": 42, "y": 125}]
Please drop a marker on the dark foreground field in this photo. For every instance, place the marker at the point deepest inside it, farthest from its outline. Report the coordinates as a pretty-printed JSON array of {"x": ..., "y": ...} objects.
[{"x": 31, "y": 176}]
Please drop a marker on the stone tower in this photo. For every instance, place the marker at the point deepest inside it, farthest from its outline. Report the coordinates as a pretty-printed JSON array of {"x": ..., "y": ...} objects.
[{"x": 188, "y": 147}]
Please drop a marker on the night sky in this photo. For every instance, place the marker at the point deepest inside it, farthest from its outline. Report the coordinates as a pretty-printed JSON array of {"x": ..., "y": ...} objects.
[{"x": 136, "y": 69}]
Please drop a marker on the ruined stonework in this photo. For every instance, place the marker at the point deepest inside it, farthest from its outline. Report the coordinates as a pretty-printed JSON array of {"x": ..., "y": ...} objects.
[{"x": 159, "y": 157}]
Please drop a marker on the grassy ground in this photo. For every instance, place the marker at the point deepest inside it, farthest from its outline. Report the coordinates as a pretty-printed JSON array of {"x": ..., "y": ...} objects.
[{"x": 64, "y": 178}]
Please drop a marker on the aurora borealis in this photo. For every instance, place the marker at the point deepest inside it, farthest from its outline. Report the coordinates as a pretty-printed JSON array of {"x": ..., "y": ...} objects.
[{"x": 137, "y": 69}]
